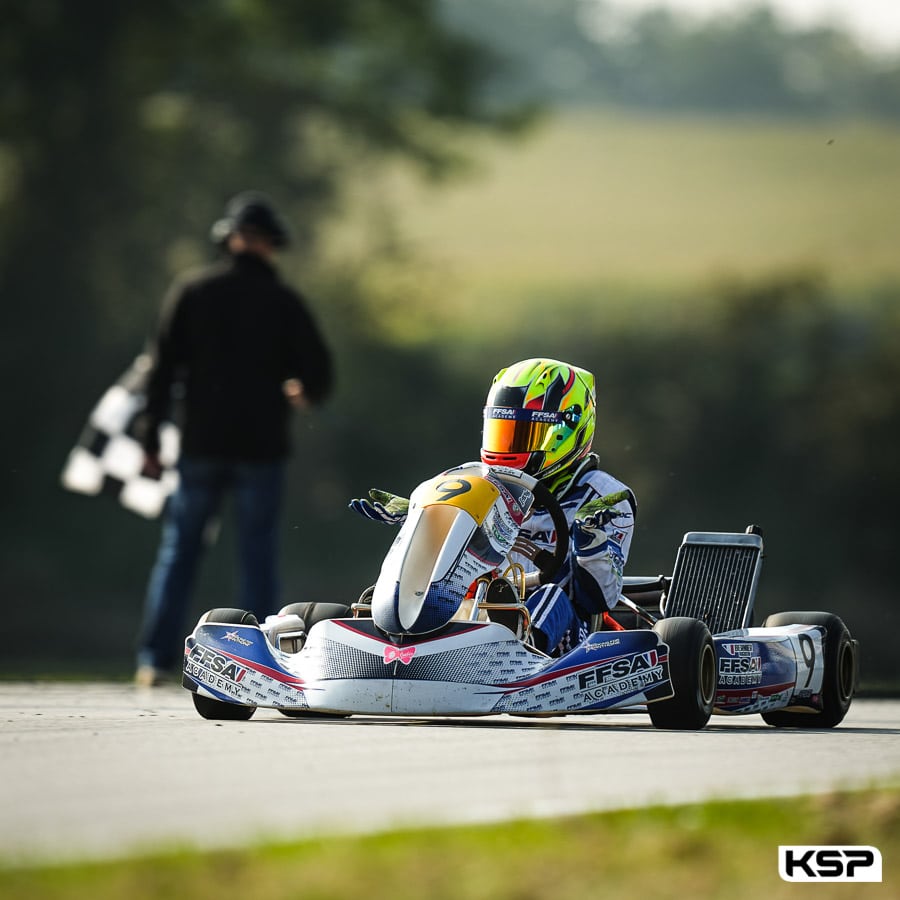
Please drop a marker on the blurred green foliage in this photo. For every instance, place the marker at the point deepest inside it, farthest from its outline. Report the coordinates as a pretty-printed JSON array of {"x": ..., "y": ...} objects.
[
  {"x": 126, "y": 126},
  {"x": 747, "y": 60}
]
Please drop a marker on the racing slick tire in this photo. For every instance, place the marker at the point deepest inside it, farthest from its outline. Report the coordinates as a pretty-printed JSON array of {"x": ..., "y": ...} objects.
[
  {"x": 312, "y": 612},
  {"x": 839, "y": 678},
  {"x": 692, "y": 669},
  {"x": 208, "y": 707}
]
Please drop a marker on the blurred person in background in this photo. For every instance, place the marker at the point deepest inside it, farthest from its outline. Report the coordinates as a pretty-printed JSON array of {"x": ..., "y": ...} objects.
[{"x": 241, "y": 349}]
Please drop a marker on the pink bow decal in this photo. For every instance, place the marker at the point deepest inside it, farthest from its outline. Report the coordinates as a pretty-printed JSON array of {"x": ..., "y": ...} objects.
[{"x": 404, "y": 654}]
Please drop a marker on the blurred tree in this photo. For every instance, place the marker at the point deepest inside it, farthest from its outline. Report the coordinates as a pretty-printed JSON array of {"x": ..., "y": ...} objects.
[
  {"x": 123, "y": 127},
  {"x": 589, "y": 52}
]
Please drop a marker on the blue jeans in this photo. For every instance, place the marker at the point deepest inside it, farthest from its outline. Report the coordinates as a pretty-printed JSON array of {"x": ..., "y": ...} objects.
[{"x": 257, "y": 490}]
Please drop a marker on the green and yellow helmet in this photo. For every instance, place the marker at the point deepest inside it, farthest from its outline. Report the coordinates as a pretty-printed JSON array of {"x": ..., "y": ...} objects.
[{"x": 539, "y": 417}]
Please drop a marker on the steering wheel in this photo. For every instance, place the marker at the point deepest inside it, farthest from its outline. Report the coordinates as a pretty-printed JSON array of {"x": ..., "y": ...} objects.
[{"x": 548, "y": 562}]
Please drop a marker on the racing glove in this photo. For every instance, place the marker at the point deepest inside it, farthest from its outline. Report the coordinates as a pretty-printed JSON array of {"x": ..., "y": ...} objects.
[
  {"x": 601, "y": 510},
  {"x": 382, "y": 506},
  {"x": 588, "y": 530},
  {"x": 589, "y": 537}
]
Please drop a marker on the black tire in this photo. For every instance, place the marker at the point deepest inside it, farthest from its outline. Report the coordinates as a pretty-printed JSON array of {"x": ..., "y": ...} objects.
[
  {"x": 311, "y": 714},
  {"x": 208, "y": 707},
  {"x": 229, "y": 615},
  {"x": 692, "y": 668},
  {"x": 839, "y": 678},
  {"x": 314, "y": 611},
  {"x": 218, "y": 710}
]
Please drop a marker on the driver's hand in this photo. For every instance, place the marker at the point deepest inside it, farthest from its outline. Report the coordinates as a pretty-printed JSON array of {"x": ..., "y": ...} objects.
[
  {"x": 588, "y": 536},
  {"x": 601, "y": 510},
  {"x": 382, "y": 506}
]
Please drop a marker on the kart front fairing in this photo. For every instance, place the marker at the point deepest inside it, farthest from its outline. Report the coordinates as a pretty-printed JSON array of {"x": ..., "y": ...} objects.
[
  {"x": 350, "y": 666},
  {"x": 461, "y": 526}
]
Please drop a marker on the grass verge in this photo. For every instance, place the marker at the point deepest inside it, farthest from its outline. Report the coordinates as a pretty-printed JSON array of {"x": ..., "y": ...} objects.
[
  {"x": 650, "y": 205},
  {"x": 716, "y": 849}
]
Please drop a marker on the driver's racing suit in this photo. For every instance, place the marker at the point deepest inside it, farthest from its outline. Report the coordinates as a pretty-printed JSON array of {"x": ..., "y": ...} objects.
[{"x": 590, "y": 580}]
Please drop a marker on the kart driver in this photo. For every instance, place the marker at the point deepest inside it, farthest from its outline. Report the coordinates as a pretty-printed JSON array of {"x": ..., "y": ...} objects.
[{"x": 539, "y": 417}]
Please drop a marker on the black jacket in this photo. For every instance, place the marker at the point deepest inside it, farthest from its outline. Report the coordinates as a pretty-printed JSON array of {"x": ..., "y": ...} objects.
[{"x": 230, "y": 337}]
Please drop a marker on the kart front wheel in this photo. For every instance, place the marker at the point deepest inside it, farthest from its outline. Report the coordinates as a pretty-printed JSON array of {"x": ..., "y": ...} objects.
[
  {"x": 692, "y": 668},
  {"x": 209, "y": 707},
  {"x": 218, "y": 710},
  {"x": 839, "y": 677}
]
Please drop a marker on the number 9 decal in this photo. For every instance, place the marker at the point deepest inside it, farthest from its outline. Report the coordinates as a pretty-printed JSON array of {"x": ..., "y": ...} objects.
[
  {"x": 474, "y": 495},
  {"x": 808, "y": 652},
  {"x": 450, "y": 489}
]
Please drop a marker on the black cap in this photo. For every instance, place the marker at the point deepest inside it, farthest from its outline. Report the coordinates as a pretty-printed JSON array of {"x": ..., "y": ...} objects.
[{"x": 250, "y": 210}]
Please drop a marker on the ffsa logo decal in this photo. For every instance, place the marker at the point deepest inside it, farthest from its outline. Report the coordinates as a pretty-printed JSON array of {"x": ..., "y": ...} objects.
[
  {"x": 829, "y": 863},
  {"x": 621, "y": 667},
  {"x": 216, "y": 663}
]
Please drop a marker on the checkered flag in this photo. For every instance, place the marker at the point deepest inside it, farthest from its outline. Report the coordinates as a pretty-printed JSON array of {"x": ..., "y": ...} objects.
[{"x": 108, "y": 458}]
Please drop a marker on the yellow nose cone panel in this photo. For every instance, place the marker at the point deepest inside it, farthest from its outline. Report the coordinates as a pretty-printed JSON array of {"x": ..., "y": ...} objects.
[{"x": 471, "y": 493}]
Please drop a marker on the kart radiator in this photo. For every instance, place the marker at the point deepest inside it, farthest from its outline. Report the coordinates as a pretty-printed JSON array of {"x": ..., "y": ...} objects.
[{"x": 715, "y": 579}]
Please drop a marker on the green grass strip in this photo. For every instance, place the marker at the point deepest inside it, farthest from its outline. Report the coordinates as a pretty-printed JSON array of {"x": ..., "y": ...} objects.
[{"x": 716, "y": 849}]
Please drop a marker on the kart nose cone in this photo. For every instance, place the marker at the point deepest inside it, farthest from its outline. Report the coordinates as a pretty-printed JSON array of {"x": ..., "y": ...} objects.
[
  {"x": 421, "y": 583},
  {"x": 416, "y": 616}
]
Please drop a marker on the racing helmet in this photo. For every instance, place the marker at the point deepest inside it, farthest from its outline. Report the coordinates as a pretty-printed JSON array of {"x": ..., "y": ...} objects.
[{"x": 539, "y": 417}]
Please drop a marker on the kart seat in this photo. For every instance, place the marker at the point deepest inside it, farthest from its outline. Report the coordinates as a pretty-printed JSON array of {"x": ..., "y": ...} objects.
[
  {"x": 646, "y": 591},
  {"x": 503, "y": 605}
]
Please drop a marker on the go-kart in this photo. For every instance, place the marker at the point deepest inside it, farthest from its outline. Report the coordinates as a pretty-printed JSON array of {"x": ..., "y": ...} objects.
[{"x": 445, "y": 631}]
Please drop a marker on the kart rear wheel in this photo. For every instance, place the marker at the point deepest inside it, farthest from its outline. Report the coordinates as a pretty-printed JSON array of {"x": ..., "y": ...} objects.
[
  {"x": 692, "y": 668},
  {"x": 839, "y": 678},
  {"x": 229, "y": 615},
  {"x": 313, "y": 611},
  {"x": 209, "y": 707},
  {"x": 311, "y": 714}
]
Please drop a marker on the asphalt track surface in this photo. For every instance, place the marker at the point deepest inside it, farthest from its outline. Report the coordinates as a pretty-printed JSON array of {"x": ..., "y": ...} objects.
[{"x": 94, "y": 771}]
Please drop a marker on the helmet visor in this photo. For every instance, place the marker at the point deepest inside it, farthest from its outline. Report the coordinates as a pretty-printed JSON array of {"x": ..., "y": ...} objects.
[{"x": 511, "y": 430}]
